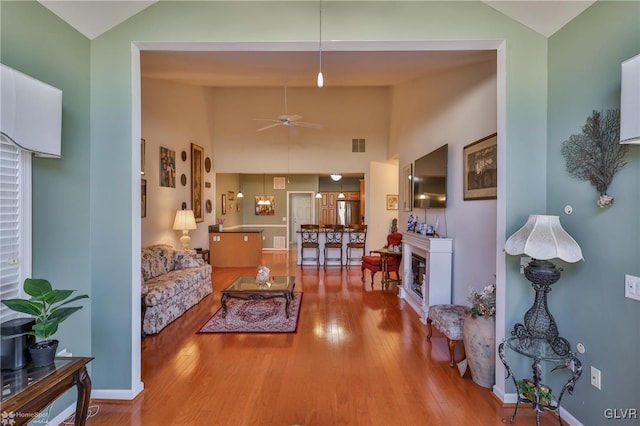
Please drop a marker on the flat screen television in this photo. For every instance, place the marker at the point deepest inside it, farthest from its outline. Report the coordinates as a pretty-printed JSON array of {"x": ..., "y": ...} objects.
[{"x": 430, "y": 179}]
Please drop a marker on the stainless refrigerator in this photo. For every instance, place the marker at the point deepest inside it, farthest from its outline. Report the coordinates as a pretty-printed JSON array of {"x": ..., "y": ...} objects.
[{"x": 347, "y": 212}]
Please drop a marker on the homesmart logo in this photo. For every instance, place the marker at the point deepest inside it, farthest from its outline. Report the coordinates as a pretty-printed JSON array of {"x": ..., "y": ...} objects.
[{"x": 10, "y": 418}]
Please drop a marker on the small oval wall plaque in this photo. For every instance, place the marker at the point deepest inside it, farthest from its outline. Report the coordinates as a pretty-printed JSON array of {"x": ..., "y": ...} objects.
[
  {"x": 183, "y": 179},
  {"x": 207, "y": 164}
]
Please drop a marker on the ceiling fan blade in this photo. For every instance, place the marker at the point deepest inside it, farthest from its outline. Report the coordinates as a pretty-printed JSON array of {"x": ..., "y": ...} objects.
[
  {"x": 293, "y": 117},
  {"x": 269, "y": 126},
  {"x": 306, "y": 124}
]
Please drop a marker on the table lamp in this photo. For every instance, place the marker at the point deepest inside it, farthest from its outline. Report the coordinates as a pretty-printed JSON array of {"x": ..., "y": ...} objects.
[
  {"x": 184, "y": 222},
  {"x": 542, "y": 238}
]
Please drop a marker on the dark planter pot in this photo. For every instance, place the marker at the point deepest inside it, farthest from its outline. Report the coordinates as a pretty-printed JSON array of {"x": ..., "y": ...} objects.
[{"x": 43, "y": 353}]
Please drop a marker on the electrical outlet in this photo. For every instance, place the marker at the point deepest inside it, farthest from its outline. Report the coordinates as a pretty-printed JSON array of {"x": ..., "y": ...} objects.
[
  {"x": 595, "y": 377},
  {"x": 632, "y": 287}
]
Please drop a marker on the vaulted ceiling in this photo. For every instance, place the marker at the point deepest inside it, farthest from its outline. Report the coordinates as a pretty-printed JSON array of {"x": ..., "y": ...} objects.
[{"x": 342, "y": 68}]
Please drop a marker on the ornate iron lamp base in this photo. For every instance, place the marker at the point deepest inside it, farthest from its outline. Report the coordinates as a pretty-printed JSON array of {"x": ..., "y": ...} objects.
[{"x": 538, "y": 321}]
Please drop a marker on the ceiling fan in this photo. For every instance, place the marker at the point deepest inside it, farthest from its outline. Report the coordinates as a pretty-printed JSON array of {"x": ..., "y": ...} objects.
[{"x": 286, "y": 119}]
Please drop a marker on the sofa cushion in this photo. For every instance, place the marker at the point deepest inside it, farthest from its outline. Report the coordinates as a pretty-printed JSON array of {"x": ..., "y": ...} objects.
[
  {"x": 157, "y": 260},
  {"x": 171, "y": 286},
  {"x": 185, "y": 259}
]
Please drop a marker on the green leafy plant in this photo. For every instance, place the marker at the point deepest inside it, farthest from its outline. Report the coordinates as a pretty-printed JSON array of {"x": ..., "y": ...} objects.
[
  {"x": 528, "y": 389},
  {"x": 46, "y": 305}
]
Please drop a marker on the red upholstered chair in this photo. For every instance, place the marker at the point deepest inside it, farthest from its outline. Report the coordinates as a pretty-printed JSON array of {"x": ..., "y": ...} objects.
[{"x": 373, "y": 263}]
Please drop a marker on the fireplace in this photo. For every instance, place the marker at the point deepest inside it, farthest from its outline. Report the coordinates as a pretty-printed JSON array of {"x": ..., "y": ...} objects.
[
  {"x": 426, "y": 272},
  {"x": 418, "y": 271}
]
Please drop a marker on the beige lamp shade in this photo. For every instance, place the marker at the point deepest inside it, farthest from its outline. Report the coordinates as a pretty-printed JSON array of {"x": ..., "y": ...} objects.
[
  {"x": 185, "y": 220},
  {"x": 543, "y": 238}
]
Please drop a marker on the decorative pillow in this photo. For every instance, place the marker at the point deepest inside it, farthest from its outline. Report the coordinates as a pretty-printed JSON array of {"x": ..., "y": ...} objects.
[
  {"x": 186, "y": 259},
  {"x": 151, "y": 264}
]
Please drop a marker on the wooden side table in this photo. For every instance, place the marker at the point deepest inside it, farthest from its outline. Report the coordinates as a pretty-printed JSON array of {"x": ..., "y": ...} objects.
[
  {"x": 28, "y": 391},
  {"x": 205, "y": 255}
]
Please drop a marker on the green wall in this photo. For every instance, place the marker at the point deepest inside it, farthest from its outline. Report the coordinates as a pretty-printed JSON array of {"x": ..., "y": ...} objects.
[
  {"x": 96, "y": 175},
  {"x": 37, "y": 43},
  {"x": 588, "y": 301}
]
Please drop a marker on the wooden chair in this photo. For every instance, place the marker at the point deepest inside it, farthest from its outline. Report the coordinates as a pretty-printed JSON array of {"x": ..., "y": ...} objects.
[
  {"x": 357, "y": 239},
  {"x": 310, "y": 242},
  {"x": 373, "y": 262},
  {"x": 333, "y": 240}
]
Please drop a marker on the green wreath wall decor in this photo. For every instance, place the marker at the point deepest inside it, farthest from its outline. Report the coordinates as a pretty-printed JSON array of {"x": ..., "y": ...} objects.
[{"x": 596, "y": 155}]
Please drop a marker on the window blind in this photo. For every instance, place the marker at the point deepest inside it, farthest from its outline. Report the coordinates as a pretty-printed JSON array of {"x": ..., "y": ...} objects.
[{"x": 10, "y": 172}]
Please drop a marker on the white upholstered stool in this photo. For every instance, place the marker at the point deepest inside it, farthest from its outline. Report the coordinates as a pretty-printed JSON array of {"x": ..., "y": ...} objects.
[{"x": 449, "y": 319}]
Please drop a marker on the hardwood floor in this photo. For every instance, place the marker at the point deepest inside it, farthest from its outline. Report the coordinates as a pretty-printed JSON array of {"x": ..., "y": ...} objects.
[{"x": 359, "y": 357}]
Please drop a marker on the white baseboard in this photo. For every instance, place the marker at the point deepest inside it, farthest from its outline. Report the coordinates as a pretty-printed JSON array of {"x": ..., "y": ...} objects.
[
  {"x": 121, "y": 394},
  {"x": 510, "y": 398}
]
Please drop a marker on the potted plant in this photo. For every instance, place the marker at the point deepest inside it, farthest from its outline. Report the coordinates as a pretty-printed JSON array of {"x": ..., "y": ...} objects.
[
  {"x": 479, "y": 335},
  {"x": 527, "y": 389},
  {"x": 47, "y": 306}
]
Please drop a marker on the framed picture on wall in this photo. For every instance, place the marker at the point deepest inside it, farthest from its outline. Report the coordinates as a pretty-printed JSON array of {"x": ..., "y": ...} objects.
[
  {"x": 197, "y": 191},
  {"x": 263, "y": 208},
  {"x": 167, "y": 167},
  {"x": 224, "y": 204},
  {"x": 407, "y": 188},
  {"x": 143, "y": 197},
  {"x": 392, "y": 201},
  {"x": 480, "y": 165},
  {"x": 143, "y": 154}
]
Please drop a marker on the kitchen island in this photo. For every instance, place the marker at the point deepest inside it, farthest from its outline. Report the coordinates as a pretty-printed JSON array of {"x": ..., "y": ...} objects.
[{"x": 239, "y": 247}]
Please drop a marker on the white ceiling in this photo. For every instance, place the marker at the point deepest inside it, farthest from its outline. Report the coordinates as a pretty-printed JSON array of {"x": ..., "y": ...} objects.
[{"x": 341, "y": 68}]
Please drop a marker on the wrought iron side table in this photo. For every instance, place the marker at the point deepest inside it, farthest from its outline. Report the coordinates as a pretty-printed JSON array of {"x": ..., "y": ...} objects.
[{"x": 540, "y": 350}]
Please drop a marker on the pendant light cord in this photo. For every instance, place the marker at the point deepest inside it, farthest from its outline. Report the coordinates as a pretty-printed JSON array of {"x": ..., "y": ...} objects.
[{"x": 320, "y": 79}]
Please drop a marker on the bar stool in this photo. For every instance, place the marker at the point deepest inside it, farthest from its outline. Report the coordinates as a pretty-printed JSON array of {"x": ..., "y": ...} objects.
[
  {"x": 357, "y": 235},
  {"x": 333, "y": 240},
  {"x": 310, "y": 241}
]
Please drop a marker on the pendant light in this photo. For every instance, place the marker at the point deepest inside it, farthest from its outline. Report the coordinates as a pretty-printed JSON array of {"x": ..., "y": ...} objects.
[
  {"x": 341, "y": 194},
  {"x": 320, "y": 79},
  {"x": 264, "y": 201},
  {"x": 240, "y": 194}
]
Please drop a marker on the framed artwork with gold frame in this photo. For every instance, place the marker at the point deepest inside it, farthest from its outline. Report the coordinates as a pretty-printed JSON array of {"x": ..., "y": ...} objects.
[{"x": 197, "y": 191}]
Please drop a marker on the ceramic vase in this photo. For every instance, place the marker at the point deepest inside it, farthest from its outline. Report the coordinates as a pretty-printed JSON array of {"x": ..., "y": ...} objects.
[
  {"x": 480, "y": 349},
  {"x": 262, "y": 278}
]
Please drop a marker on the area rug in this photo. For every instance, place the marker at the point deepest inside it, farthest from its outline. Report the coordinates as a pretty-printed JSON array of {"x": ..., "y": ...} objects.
[{"x": 255, "y": 316}]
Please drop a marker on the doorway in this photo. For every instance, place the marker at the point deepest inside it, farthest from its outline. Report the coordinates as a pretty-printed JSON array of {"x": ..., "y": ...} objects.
[{"x": 300, "y": 211}]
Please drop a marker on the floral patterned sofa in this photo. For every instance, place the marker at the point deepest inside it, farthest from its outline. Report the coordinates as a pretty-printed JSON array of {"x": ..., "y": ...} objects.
[{"x": 172, "y": 282}]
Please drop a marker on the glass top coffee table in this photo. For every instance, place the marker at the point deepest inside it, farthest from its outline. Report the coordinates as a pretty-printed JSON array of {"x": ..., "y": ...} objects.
[{"x": 247, "y": 288}]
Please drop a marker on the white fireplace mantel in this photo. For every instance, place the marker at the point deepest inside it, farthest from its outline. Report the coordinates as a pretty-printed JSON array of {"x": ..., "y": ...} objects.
[{"x": 430, "y": 283}]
